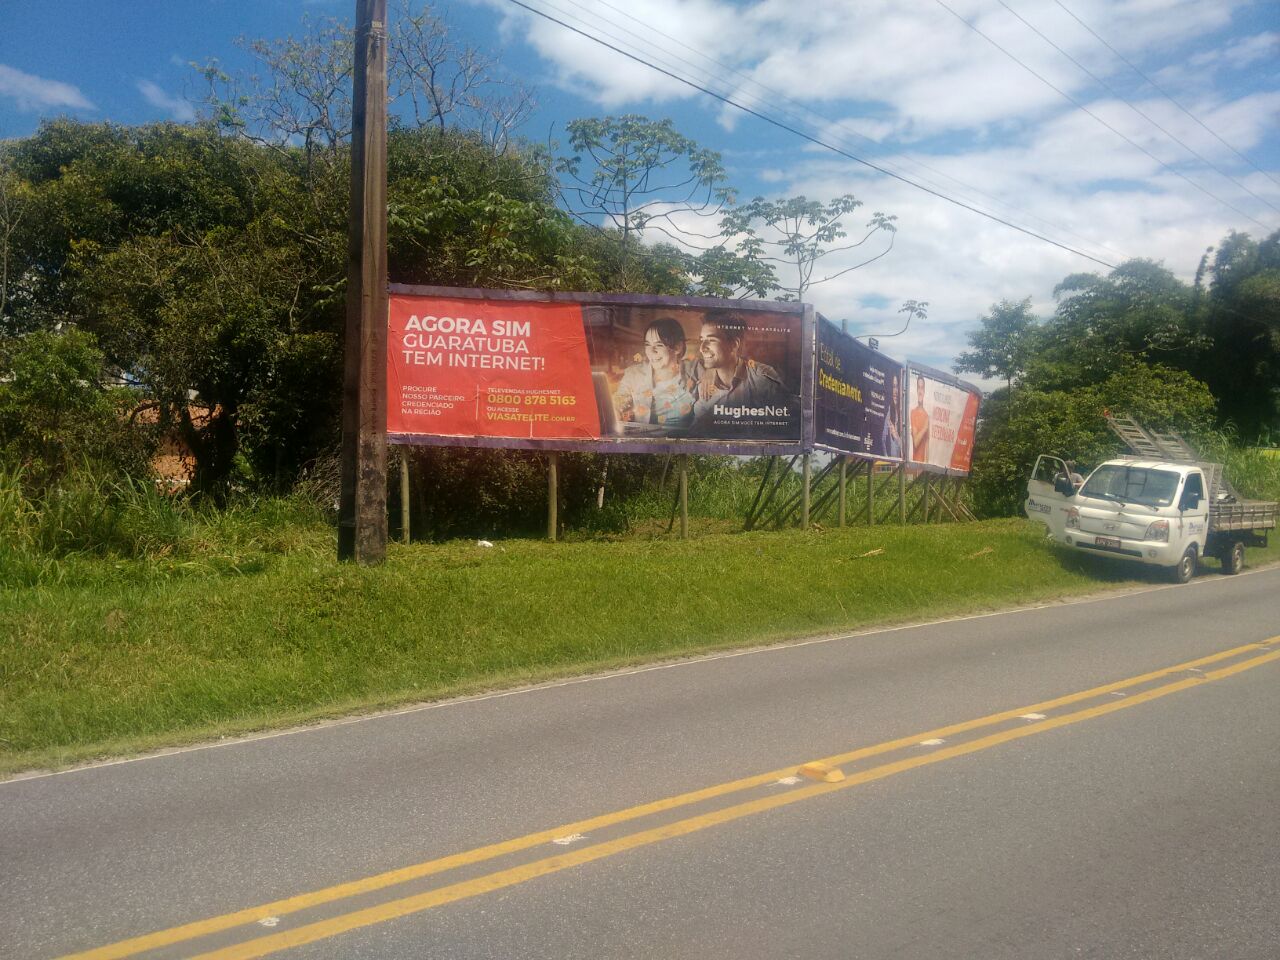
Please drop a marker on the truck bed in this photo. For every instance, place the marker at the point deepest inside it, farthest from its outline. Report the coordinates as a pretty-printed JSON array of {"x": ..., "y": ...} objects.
[{"x": 1243, "y": 515}]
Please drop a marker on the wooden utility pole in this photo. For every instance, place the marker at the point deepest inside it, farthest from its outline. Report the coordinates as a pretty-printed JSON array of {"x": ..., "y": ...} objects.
[{"x": 362, "y": 508}]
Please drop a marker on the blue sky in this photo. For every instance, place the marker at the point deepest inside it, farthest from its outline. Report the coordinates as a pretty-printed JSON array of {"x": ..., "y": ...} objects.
[{"x": 903, "y": 83}]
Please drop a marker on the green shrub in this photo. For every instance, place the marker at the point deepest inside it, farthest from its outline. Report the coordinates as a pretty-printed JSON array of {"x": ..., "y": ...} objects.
[
  {"x": 55, "y": 414},
  {"x": 87, "y": 513}
]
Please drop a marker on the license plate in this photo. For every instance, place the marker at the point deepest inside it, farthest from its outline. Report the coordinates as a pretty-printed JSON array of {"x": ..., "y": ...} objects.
[{"x": 1112, "y": 543}]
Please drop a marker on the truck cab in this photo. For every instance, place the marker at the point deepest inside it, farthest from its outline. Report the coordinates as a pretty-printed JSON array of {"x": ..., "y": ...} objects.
[{"x": 1149, "y": 511}]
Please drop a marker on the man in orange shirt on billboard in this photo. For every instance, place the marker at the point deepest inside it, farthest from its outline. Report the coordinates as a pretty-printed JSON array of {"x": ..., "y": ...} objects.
[{"x": 919, "y": 426}]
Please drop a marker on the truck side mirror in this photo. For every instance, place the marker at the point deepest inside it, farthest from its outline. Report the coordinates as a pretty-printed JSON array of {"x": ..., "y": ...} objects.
[
  {"x": 1190, "y": 500},
  {"x": 1063, "y": 485}
]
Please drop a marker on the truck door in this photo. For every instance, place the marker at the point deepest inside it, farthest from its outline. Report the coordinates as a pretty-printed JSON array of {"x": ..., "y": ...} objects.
[
  {"x": 1046, "y": 501},
  {"x": 1193, "y": 512}
]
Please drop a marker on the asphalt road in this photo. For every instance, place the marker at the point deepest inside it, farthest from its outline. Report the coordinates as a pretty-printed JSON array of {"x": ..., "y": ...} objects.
[{"x": 1096, "y": 779}]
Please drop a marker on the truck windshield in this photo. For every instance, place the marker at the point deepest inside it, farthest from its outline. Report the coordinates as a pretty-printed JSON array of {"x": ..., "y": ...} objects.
[{"x": 1114, "y": 481}]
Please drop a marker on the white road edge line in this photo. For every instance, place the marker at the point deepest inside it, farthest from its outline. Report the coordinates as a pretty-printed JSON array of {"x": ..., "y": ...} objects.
[{"x": 615, "y": 674}]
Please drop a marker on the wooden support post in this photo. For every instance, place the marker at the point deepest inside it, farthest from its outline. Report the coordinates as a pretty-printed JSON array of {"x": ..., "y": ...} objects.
[
  {"x": 807, "y": 470},
  {"x": 844, "y": 479},
  {"x": 871, "y": 493},
  {"x": 902, "y": 493},
  {"x": 362, "y": 500},
  {"x": 404, "y": 494},
  {"x": 684, "y": 496},
  {"x": 756, "y": 507},
  {"x": 553, "y": 495},
  {"x": 927, "y": 486}
]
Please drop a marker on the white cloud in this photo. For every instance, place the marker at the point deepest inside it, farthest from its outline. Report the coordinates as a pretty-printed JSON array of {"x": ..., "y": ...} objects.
[
  {"x": 1240, "y": 53},
  {"x": 32, "y": 93},
  {"x": 176, "y": 108},
  {"x": 920, "y": 66},
  {"x": 914, "y": 79}
]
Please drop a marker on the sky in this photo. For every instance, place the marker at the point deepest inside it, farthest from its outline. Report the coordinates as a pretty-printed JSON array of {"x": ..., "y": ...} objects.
[{"x": 1117, "y": 128}]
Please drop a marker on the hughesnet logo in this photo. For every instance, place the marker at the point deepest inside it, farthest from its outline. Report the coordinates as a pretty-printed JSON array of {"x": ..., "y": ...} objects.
[{"x": 737, "y": 413}]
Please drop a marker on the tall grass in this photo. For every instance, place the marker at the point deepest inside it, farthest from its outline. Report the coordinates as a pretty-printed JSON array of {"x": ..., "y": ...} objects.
[
  {"x": 90, "y": 528},
  {"x": 1253, "y": 471}
]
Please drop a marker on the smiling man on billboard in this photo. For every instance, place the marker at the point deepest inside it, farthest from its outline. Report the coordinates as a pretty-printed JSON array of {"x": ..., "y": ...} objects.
[{"x": 727, "y": 377}]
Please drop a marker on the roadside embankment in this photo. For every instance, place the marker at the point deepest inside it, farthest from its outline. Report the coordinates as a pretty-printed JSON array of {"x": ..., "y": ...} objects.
[{"x": 123, "y": 661}]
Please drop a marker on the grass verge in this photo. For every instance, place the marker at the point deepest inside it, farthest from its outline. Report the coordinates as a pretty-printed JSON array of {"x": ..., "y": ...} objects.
[{"x": 126, "y": 662}]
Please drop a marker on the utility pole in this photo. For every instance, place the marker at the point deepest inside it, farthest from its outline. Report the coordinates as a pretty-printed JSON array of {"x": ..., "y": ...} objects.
[{"x": 362, "y": 509}]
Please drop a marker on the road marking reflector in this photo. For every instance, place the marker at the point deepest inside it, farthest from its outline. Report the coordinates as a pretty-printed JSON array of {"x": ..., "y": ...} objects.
[
  {"x": 787, "y": 781},
  {"x": 825, "y": 772},
  {"x": 572, "y": 838},
  {"x": 1031, "y": 716}
]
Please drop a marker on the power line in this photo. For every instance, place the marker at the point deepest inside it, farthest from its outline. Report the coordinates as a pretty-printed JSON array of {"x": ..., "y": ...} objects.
[
  {"x": 1168, "y": 96},
  {"x": 1080, "y": 106},
  {"x": 795, "y": 105},
  {"x": 1145, "y": 116},
  {"x": 812, "y": 139}
]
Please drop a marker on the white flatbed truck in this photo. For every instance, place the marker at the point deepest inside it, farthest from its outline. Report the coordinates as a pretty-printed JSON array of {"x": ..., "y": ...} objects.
[{"x": 1162, "y": 506}]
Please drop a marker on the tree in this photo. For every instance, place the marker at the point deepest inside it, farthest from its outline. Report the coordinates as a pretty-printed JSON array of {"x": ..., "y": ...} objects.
[
  {"x": 1239, "y": 315},
  {"x": 1004, "y": 345},
  {"x": 55, "y": 412},
  {"x": 800, "y": 233},
  {"x": 446, "y": 83},
  {"x": 301, "y": 94},
  {"x": 1018, "y": 426},
  {"x": 13, "y": 207},
  {"x": 630, "y": 175},
  {"x": 1138, "y": 311}
]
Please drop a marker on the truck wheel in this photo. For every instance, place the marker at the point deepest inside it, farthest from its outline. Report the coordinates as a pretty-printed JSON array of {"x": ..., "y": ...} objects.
[
  {"x": 1233, "y": 558},
  {"x": 1185, "y": 568}
]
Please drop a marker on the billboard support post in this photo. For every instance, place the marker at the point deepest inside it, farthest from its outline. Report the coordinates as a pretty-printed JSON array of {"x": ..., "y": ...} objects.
[
  {"x": 871, "y": 493},
  {"x": 404, "y": 494},
  {"x": 553, "y": 495},
  {"x": 902, "y": 493},
  {"x": 927, "y": 485},
  {"x": 844, "y": 479},
  {"x": 807, "y": 469},
  {"x": 684, "y": 496},
  {"x": 362, "y": 506}
]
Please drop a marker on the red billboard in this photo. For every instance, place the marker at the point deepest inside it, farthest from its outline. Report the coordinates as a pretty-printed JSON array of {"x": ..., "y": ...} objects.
[{"x": 580, "y": 370}]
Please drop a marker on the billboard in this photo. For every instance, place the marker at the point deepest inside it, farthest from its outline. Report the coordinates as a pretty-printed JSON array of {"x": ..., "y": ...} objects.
[
  {"x": 583, "y": 371},
  {"x": 857, "y": 406},
  {"x": 942, "y": 414}
]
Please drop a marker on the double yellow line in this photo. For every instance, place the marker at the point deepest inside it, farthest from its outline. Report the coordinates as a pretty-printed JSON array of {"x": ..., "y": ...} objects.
[{"x": 321, "y": 929}]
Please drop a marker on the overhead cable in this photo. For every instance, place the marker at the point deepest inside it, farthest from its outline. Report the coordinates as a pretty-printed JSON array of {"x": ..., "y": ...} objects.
[
  {"x": 826, "y": 121},
  {"x": 812, "y": 139},
  {"x": 1145, "y": 116},
  {"x": 1080, "y": 106},
  {"x": 1164, "y": 93}
]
